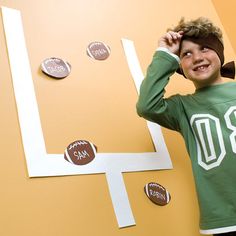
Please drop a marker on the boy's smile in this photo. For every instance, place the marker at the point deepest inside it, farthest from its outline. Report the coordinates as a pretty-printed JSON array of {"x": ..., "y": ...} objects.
[
  {"x": 200, "y": 64},
  {"x": 201, "y": 68}
]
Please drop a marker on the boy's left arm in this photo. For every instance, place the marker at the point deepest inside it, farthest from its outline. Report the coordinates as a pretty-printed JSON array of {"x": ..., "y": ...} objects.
[{"x": 151, "y": 103}]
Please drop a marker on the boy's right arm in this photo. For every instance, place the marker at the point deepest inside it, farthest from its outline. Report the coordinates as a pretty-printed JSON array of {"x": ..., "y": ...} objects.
[{"x": 151, "y": 103}]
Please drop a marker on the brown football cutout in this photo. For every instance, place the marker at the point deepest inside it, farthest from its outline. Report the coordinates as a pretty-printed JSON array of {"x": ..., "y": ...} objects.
[
  {"x": 80, "y": 152},
  {"x": 56, "y": 68},
  {"x": 157, "y": 193},
  {"x": 98, "y": 50}
]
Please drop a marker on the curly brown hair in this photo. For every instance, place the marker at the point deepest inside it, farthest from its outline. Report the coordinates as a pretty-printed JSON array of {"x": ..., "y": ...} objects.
[{"x": 200, "y": 27}]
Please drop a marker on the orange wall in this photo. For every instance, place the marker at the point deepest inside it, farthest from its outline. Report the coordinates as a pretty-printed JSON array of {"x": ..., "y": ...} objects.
[
  {"x": 96, "y": 102},
  {"x": 226, "y": 13}
]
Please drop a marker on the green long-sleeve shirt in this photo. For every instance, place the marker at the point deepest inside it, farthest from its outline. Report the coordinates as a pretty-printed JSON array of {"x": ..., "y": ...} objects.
[{"x": 207, "y": 122}]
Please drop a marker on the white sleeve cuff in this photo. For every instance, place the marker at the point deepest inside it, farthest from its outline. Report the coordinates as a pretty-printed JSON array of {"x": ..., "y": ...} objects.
[{"x": 169, "y": 52}]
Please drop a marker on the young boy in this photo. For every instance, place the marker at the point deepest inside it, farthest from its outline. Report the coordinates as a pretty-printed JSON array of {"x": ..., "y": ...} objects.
[{"x": 206, "y": 119}]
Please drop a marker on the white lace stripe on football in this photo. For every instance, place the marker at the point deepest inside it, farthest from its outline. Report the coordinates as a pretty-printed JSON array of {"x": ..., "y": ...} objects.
[
  {"x": 94, "y": 149},
  {"x": 67, "y": 66},
  {"x": 68, "y": 157},
  {"x": 90, "y": 54},
  {"x": 167, "y": 196},
  {"x": 146, "y": 189},
  {"x": 44, "y": 68},
  {"x": 108, "y": 48}
]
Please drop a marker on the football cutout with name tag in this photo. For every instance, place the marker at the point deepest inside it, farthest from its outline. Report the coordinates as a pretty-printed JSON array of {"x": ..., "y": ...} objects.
[
  {"x": 157, "y": 193},
  {"x": 98, "y": 51},
  {"x": 56, "y": 68},
  {"x": 80, "y": 152}
]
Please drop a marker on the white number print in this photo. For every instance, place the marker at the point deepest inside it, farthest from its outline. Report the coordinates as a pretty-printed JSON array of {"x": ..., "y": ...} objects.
[
  {"x": 210, "y": 154},
  {"x": 230, "y": 116}
]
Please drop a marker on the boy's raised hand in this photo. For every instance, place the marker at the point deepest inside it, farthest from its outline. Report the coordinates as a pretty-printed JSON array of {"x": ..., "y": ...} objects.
[{"x": 171, "y": 41}]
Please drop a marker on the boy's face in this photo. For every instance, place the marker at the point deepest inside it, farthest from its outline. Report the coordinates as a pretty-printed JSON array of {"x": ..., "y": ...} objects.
[{"x": 200, "y": 64}]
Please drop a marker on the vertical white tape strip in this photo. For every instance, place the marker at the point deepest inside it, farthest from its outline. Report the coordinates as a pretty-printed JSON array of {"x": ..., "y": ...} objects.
[
  {"x": 133, "y": 62},
  {"x": 137, "y": 74},
  {"x": 120, "y": 199},
  {"x": 31, "y": 131}
]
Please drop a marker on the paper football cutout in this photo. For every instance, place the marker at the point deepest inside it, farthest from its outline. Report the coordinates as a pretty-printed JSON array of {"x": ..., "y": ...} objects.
[
  {"x": 80, "y": 152},
  {"x": 56, "y": 68},
  {"x": 98, "y": 51},
  {"x": 157, "y": 193}
]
